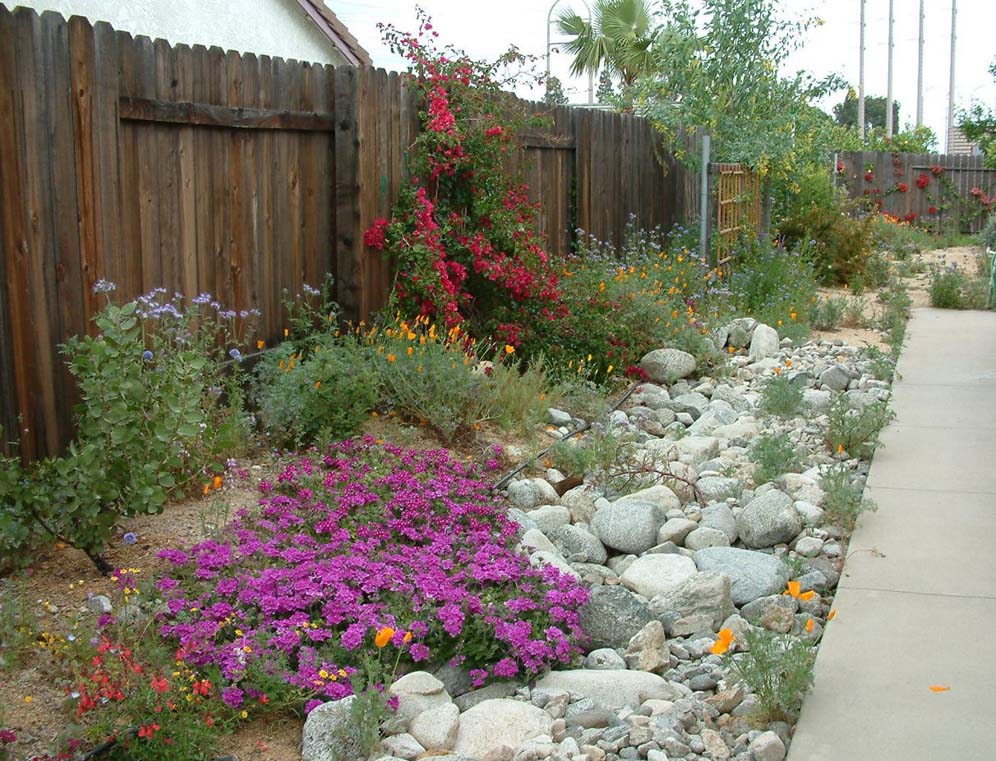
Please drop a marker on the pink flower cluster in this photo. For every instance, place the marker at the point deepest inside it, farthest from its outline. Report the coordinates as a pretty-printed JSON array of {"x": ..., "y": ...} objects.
[{"x": 364, "y": 537}]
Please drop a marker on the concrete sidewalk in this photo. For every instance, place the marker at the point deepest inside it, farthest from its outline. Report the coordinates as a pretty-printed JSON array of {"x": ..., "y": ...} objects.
[{"x": 916, "y": 605}]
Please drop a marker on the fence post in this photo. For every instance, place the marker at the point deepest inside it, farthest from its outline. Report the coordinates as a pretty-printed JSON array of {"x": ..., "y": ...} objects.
[{"x": 704, "y": 199}]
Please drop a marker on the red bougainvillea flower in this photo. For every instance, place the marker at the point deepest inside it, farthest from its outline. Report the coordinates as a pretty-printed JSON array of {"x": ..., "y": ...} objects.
[
  {"x": 840, "y": 167},
  {"x": 902, "y": 187},
  {"x": 923, "y": 180},
  {"x": 376, "y": 234},
  {"x": 932, "y": 210},
  {"x": 869, "y": 177},
  {"x": 936, "y": 170},
  {"x": 910, "y": 217}
]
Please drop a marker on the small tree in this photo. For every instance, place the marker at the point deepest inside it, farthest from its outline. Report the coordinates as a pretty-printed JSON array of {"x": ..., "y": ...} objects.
[
  {"x": 619, "y": 36},
  {"x": 846, "y": 112},
  {"x": 606, "y": 92},
  {"x": 979, "y": 125},
  {"x": 554, "y": 95}
]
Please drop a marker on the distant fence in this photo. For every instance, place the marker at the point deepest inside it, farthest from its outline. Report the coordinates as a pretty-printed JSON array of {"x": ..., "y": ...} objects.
[
  {"x": 876, "y": 175},
  {"x": 130, "y": 160}
]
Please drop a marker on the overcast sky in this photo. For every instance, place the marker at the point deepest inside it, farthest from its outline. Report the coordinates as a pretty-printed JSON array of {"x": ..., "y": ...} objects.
[{"x": 485, "y": 29}]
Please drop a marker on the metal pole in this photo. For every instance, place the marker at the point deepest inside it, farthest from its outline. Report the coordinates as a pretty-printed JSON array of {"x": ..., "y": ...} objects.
[
  {"x": 919, "y": 74},
  {"x": 888, "y": 98},
  {"x": 861, "y": 76},
  {"x": 951, "y": 81},
  {"x": 704, "y": 199}
]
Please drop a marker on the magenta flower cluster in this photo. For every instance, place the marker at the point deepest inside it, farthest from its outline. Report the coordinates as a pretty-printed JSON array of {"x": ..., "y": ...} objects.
[{"x": 363, "y": 537}]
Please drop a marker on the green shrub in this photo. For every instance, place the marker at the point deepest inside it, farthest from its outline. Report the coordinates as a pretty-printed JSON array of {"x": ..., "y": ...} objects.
[
  {"x": 877, "y": 269},
  {"x": 430, "y": 378},
  {"x": 828, "y": 313},
  {"x": 896, "y": 302},
  {"x": 844, "y": 501},
  {"x": 325, "y": 394},
  {"x": 778, "y": 668},
  {"x": 841, "y": 241},
  {"x": 781, "y": 397},
  {"x": 157, "y": 412},
  {"x": 773, "y": 456},
  {"x": 854, "y": 428},
  {"x": 625, "y": 302},
  {"x": 951, "y": 288},
  {"x": 599, "y": 456},
  {"x": 518, "y": 398},
  {"x": 883, "y": 367},
  {"x": 774, "y": 284}
]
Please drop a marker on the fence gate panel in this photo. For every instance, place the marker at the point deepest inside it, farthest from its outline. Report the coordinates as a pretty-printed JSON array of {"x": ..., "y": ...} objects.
[{"x": 738, "y": 208}]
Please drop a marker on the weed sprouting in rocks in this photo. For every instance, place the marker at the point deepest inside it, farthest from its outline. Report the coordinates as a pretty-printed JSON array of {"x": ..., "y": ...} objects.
[
  {"x": 773, "y": 455},
  {"x": 854, "y": 428},
  {"x": 778, "y": 668},
  {"x": 845, "y": 500},
  {"x": 829, "y": 313},
  {"x": 781, "y": 397}
]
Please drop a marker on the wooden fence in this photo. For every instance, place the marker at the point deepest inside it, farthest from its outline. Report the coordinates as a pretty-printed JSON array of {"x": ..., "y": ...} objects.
[
  {"x": 200, "y": 170},
  {"x": 946, "y": 195}
]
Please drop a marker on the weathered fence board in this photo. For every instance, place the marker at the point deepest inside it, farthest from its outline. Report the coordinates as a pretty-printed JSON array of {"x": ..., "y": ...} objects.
[{"x": 204, "y": 171}]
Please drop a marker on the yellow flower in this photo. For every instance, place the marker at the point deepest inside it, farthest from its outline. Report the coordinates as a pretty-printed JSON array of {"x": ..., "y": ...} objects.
[
  {"x": 318, "y": 384},
  {"x": 390, "y": 357},
  {"x": 384, "y": 636},
  {"x": 609, "y": 369},
  {"x": 27, "y": 698},
  {"x": 244, "y": 714},
  {"x": 840, "y": 449},
  {"x": 407, "y": 637},
  {"x": 410, "y": 351},
  {"x": 260, "y": 343},
  {"x": 509, "y": 349},
  {"x": 286, "y": 332},
  {"x": 724, "y": 642}
]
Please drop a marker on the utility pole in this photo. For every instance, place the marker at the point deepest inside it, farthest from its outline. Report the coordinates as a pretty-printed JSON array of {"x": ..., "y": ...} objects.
[
  {"x": 861, "y": 76},
  {"x": 919, "y": 74},
  {"x": 951, "y": 81},
  {"x": 888, "y": 96}
]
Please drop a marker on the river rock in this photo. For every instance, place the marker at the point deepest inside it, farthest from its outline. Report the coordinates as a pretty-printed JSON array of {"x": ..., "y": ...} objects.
[
  {"x": 752, "y": 574},
  {"x": 652, "y": 575},
  {"x": 667, "y": 365},
  {"x": 496, "y": 723},
  {"x": 768, "y": 520},
  {"x": 612, "y": 616}
]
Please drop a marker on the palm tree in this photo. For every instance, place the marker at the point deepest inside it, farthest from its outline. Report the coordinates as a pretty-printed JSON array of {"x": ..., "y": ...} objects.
[{"x": 620, "y": 36}]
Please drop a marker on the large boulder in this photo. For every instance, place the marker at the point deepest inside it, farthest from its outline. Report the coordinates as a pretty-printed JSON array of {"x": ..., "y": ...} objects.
[
  {"x": 578, "y": 545},
  {"x": 530, "y": 493},
  {"x": 752, "y": 574},
  {"x": 609, "y": 689},
  {"x": 768, "y": 519},
  {"x": 763, "y": 342},
  {"x": 695, "y": 450},
  {"x": 331, "y": 733},
  {"x": 419, "y": 691},
  {"x": 629, "y": 525},
  {"x": 436, "y": 728},
  {"x": 721, "y": 517},
  {"x": 667, "y": 365},
  {"x": 704, "y": 597},
  {"x": 653, "y": 575},
  {"x": 494, "y": 723},
  {"x": 612, "y": 616}
]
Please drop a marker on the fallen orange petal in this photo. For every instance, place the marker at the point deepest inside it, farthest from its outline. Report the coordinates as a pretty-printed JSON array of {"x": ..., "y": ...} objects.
[
  {"x": 810, "y": 625},
  {"x": 793, "y": 588},
  {"x": 807, "y": 596},
  {"x": 831, "y": 614},
  {"x": 939, "y": 688}
]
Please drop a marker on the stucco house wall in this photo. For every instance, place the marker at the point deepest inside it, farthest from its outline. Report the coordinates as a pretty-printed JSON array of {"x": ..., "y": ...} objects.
[{"x": 270, "y": 27}]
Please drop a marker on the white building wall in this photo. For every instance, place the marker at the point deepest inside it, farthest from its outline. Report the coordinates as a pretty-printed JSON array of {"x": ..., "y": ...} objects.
[{"x": 270, "y": 27}]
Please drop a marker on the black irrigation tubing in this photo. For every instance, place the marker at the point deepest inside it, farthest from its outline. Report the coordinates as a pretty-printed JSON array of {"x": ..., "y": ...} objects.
[{"x": 503, "y": 481}]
